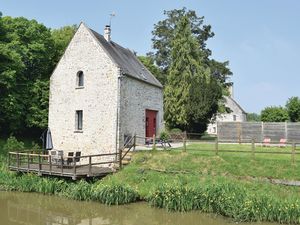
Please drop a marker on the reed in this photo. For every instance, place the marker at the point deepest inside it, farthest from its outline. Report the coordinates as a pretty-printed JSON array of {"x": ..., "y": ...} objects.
[
  {"x": 229, "y": 200},
  {"x": 115, "y": 194}
]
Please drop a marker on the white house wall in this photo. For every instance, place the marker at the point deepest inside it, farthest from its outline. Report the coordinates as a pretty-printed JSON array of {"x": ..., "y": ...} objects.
[
  {"x": 236, "y": 113},
  {"x": 98, "y": 98},
  {"x": 136, "y": 97}
]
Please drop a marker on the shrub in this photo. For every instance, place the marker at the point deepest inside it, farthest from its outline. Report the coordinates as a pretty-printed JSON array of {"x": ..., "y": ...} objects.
[
  {"x": 164, "y": 135},
  {"x": 12, "y": 144},
  {"x": 115, "y": 194}
]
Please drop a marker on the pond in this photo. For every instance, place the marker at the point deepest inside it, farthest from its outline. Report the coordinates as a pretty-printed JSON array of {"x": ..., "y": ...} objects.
[{"x": 29, "y": 208}]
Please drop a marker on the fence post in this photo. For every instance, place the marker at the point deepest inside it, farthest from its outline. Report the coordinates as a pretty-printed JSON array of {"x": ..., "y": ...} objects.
[
  {"x": 293, "y": 152},
  {"x": 154, "y": 142},
  {"x": 217, "y": 146},
  {"x": 253, "y": 148},
  {"x": 184, "y": 144}
]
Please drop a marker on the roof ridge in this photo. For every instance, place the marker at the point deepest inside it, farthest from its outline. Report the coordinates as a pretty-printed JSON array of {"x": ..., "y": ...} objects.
[{"x": 126, "y": 60}]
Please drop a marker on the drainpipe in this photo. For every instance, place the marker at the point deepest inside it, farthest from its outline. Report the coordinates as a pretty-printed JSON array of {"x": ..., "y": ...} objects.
[{"x": 120, "y": 76}]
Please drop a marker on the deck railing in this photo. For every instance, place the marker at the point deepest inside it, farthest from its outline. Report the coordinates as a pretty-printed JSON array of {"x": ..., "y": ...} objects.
[{"x": 43, "y": 163}]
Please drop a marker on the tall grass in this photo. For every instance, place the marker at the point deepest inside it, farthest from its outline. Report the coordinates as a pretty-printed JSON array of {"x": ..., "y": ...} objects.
[
  {"x": 115, "y": 194},
  {"x": 229, "y": 200}
]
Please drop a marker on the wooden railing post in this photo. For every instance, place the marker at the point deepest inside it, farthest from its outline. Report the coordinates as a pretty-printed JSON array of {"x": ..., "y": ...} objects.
[
  {"x": 74, "y": 166},
  {"x": 8, "y": 160},
  {"x": 90, "y": 165},
  {"x": 253, "y": 148},
  {"x": 61, "y": 165},
  {"x": 40, "y": 166},
  {"x": 293, "y": 152},
  {"x": 120, "y": 158},
  {"x": 134, "y": 142},
  {"x": 18, "y": 161},
  {"x": 217, "y": 146},
  {"x": 28, "y": 164},
  {"x": 154, "y": 142},
  {"x": 50, "y": 164}
]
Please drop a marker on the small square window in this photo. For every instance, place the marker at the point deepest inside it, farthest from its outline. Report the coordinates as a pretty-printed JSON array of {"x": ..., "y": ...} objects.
[
  {"x": 79, "y": 117},
  {"x": 234, "y": 117}
]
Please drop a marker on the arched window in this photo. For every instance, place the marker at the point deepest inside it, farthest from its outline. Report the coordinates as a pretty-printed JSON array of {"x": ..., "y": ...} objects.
[{"x": 80, "y": 79}]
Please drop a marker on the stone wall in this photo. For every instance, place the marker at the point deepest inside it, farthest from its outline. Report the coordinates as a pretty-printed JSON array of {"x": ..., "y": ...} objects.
[
  {"x": 136, "y": 97},
  {"x": 237, "y": 115},
  {"x": 97, "y": 99}
]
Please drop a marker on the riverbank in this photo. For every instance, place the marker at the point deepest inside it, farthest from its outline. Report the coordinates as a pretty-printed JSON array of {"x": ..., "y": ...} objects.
[{"x": 185, "y": 181}]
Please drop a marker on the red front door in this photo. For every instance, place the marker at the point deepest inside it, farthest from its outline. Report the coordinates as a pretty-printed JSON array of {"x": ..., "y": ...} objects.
[{"x": 150, "y": 122}]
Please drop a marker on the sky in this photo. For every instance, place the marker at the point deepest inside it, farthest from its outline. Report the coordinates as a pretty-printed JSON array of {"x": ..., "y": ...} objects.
[{"x": 260, "y": 38}]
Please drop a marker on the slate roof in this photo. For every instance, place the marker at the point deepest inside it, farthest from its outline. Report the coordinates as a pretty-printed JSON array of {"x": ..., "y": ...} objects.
[
  {"x": 229, "y": 98},
  {"x": 127, "y": 61}
]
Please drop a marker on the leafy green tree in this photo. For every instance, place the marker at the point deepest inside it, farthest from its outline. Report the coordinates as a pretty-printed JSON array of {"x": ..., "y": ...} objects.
[
  {"x": 37, "y": 115},
  {"x": 61, "y": 38},
  {"x": 27, "y": 50},
  {"x": 274, "y": 114},
  {"x": 293, "y": 109},
  {"x": 253, "y": 117},
  {"x": 191, "y": 94},
  {"x": 150, "y": 65},
  {"x": 163, "y": 34}
]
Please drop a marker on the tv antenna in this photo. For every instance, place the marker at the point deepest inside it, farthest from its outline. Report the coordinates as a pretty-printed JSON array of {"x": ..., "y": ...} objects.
[{"x": 113, "y": 14}]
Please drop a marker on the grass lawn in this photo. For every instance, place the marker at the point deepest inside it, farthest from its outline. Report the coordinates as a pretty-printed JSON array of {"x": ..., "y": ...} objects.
[{"x": 153, "y": 168}]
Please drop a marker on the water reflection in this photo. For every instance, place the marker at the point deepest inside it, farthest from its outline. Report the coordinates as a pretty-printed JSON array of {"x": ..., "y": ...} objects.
[{"x": 26, "y": 208}]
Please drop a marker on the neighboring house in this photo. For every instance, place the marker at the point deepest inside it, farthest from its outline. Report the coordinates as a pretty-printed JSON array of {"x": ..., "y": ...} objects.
[
  {"x": 237, "y": 114},
  {"x": 100, "y": 93}
]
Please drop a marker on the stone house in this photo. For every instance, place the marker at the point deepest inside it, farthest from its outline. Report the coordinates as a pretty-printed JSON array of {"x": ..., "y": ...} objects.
[
  {"x": 237, "y": 114},
  {"x": 100, "y": 93}
]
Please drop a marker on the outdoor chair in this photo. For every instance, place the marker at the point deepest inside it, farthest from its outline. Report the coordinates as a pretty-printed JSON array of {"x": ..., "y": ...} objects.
[
  {"x": 266, "y": 142},
  {"x": 70, "y": 158},
  {"x": 77, "y": 157},
  {"x": 282, "y": 143}
]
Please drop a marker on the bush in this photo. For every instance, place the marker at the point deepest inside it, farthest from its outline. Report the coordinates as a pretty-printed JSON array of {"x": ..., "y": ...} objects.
[
  {"x": 12, "y": 144},
  {"x": 115, "y": 194},
  {"x": 164, "y": 135}
]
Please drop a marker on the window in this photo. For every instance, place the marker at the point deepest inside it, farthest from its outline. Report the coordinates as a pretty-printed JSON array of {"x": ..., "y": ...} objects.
[
  {"x": 79, "y": 80},
  {"x": 234, "y": 117},
  {"x": 79, "y": 115}
]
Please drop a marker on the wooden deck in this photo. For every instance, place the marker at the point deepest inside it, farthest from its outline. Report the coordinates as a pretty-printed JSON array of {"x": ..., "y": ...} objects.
[
  {"x": 81, "y": 171},
  {"x": 75, "y": 167},
  {"x": 81, "y": 167}
]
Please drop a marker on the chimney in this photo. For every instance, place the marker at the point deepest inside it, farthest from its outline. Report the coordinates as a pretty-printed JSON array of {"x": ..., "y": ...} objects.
[{"x": 107, "y": 33}]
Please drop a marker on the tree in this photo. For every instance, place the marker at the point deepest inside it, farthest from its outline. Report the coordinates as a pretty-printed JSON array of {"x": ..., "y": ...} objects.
[
  {"x": 293, "y": 109},
  {"x": 191, "y": 94},
  {"x": 163, "y": 34},
  {"x": 253, "y": 117},
  {"x": 148, "y": 62},
  {"x": 61, "y": 38},
  {"x": 274, "y": 114}
]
